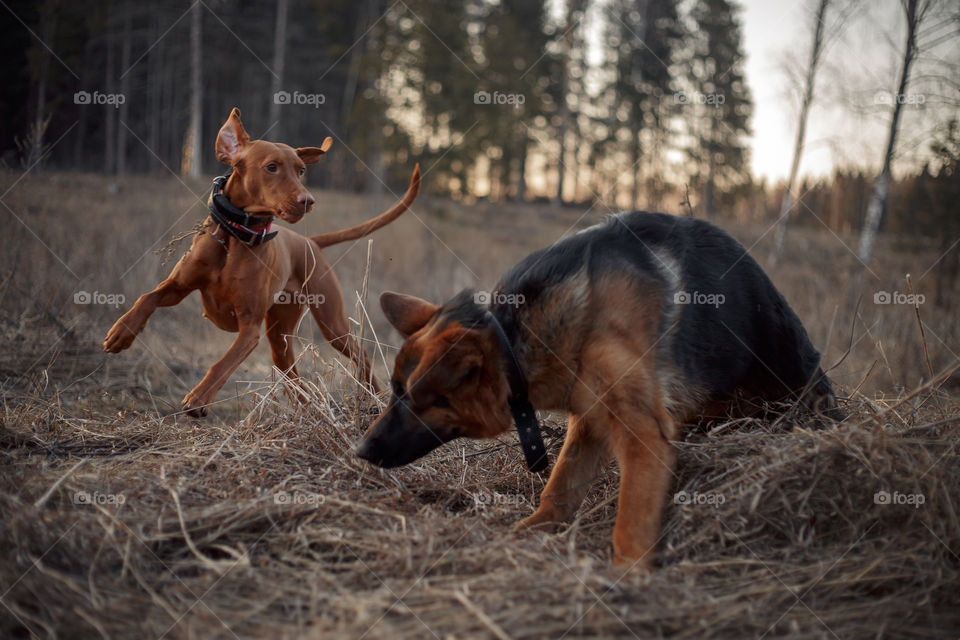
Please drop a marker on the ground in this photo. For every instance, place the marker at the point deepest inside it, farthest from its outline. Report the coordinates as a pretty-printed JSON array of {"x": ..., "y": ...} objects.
[{"x": 124, "y": 518}]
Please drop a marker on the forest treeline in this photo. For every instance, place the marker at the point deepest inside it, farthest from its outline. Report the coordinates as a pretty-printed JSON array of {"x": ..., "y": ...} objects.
[{"x": 634, "y": 102}]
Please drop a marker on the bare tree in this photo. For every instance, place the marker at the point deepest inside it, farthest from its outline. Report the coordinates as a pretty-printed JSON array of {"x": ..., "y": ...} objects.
[
  {"x": 565, "y": 45},
  {"x": 279, "y": 60},
  {"x": 190, "y": 162},
  {"x": 914, "y": 13},
  {"x": 34, "y": 146},
  {"x": 125, "y": 46},
  {"x": 110, "y": 133},
  {"x": 786, "y": 204}
]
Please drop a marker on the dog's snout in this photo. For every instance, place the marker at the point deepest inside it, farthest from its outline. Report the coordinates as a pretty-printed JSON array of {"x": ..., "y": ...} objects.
[
  {"x": 365, "y": 451},
  {"x": 305, "y": 200}
]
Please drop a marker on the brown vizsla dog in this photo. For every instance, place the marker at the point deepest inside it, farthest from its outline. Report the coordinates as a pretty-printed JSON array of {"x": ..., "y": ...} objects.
[{"x": 248, "y": 276}]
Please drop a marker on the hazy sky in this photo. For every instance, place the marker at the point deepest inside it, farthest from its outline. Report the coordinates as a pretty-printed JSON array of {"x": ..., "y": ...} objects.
[
  {"x": 774, "y": 29},
  {"x": 764, "y": 23},
  {"x": 847, "y": 126}
]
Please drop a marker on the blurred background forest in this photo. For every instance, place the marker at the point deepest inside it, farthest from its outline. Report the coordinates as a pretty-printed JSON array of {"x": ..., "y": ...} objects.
[
  {"x": 636, "y": 103},
  {"x": 531, "y": 119}
]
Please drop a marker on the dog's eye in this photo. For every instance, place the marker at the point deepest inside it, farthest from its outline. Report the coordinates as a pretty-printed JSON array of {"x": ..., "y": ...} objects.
[
  {"x": 441, "y": 402},
  {"x": 303, "y": 170},
  {"x": 272, "y": 168}
]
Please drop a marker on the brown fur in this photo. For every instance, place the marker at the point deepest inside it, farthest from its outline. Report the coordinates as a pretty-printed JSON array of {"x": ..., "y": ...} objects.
[
  {"x": 239, "y": 284},
  {"x": 596, "y": 362}
]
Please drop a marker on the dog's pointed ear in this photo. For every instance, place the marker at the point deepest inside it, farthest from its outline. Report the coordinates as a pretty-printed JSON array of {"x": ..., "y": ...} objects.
[
  {"x": 309, "y": 155},
  {"x": 407, "y": 314},
  {"x": 231, "y": 139}
]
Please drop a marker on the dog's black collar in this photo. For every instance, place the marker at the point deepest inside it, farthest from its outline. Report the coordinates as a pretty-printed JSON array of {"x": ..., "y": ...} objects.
[
  {"x": 524, "y": 416},
  {"x": 248, "y": 229}
]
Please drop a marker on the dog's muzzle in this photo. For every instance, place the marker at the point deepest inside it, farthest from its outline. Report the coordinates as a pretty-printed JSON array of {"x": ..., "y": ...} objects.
[{"x": 399, "y": 437}]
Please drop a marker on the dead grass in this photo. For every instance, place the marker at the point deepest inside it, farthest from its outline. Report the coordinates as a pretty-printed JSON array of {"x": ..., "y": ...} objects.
[
  {"x": 259, "y": 521},
  {"x": 270, "y": 526}
]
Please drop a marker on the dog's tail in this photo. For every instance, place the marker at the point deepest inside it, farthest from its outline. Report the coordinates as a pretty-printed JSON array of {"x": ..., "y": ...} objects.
[{"x": 371, "y": 225}]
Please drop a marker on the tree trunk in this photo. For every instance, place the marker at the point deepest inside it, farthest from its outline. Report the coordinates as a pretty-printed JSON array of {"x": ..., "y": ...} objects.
[
  {"x": 787, "y": 203},
  {"x": 878, "y": 199},
  {"x": 110, "y": 144},
  {"x": 35, "y": 138},
  {"x": 564, "y": 107},
  {"x": 80, "y": 151},
  {"x": 353, "y": 66},
  {"x": 279, "y": 62},
  {"x": 125, "y": 45},
  {"x": 711, "y": 170},
  {"x": 635, "y": 171},
  {"x": 522, "y": 169},
  {"x": 154, "y": 92},
  {"x": 190, "y": 162}
]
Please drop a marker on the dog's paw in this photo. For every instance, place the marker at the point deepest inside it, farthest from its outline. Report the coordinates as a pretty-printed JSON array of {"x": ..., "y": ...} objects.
[
  {"x": 538, "y": 521},
  {"x": 118, "y": 338},
  {"x": 633, "y": 563},
  {"x": 194, "y": 405}
]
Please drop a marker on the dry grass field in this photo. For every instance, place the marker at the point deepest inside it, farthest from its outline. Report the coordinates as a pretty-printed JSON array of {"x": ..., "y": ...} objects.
[{"x": 123, "y": 518}]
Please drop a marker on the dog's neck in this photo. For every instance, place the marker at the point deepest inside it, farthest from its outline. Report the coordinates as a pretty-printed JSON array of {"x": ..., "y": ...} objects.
[
  {"x": 247, "y": 228},
  {"x": 546, "y": 335},
  {"x": 524, "y": 415}
]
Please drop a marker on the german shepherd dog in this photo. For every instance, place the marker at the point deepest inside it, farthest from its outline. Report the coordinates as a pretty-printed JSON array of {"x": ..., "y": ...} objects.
[{"x": 634, "y": 326}]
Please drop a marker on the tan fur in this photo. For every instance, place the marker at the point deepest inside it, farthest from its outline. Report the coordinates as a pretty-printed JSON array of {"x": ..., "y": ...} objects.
[
  {"x": 616, "y": 411},
  {"x": 589, "y": 348}
]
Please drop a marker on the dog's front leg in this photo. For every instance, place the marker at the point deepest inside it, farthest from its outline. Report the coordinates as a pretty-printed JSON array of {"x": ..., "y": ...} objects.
[
  {"x": 584, "y": 453},
  {"x": 645, "y": 458},
  {"x": 195, "y": 403},
  {"x": 125, "y": 330}
]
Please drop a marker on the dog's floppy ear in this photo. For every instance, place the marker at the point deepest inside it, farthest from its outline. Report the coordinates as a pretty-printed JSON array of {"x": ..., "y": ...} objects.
[
  {"x": 231, "y": 139},
  {"x": 407, "y": 314},
  {"x": 309, "y": 155}
]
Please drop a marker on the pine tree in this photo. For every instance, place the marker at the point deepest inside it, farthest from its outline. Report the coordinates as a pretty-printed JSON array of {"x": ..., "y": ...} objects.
[
  {"x": 719, "y": 104},
  {"x": 645, "y": 34},
  {"x": 515, "y": 74}
]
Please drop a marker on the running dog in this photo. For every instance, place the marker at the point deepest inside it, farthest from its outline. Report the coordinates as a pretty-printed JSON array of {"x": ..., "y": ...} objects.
[
  {"x": 634, "y": 326},
  {"x": 249, "y": 275}
]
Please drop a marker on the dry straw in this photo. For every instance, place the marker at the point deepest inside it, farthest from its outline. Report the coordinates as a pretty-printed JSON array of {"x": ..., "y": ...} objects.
[{"x": 140, "y": 525}]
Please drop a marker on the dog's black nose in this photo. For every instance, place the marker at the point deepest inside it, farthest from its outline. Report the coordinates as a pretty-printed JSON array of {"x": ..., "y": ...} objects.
[{"x": 365, "y": 451}]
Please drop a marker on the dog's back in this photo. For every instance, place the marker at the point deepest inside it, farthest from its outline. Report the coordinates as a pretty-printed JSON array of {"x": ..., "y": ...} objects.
[{"x": 724, "y": 330}]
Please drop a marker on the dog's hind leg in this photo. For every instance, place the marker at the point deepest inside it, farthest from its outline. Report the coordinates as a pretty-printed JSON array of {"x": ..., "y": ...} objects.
[
  {"x": 328, "y": 311},
  {"x": 281, "y": 325},
  {"x": 584, "y": 453}
]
